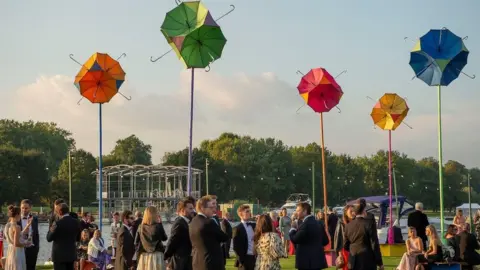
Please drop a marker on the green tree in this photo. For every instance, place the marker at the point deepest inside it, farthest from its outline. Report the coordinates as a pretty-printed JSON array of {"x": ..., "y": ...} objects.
[{"x": 131, "y": 150}]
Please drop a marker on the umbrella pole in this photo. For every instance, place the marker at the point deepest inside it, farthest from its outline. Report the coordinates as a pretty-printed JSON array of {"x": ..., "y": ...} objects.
[
  {"x": 324, "y": 176},
  {"x": 190, "y": 152},
  {"x": 100, "y": 171},
  {"x": 390, "y": 229},
  {"x": 396, "y": 196},
  {"x": 440, "y": 161}
]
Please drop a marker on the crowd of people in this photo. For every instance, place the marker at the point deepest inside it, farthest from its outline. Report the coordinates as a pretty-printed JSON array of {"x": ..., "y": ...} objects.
[{"x": 199, "y": 240}]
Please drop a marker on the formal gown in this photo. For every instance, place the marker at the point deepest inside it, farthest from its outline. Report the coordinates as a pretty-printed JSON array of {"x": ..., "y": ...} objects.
[
  {"x": 408, "y": 262},
  {"x": 15, "y": 256}
]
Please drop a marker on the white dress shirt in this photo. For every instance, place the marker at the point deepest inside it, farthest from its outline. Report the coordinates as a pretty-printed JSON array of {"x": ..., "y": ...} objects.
[
  {"x": 250, "y": 233},
  {"x": 95, "y": 246}
]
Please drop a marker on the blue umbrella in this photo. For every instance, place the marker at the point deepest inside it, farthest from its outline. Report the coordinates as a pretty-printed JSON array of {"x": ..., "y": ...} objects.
[{"x": 439, "y": 57}]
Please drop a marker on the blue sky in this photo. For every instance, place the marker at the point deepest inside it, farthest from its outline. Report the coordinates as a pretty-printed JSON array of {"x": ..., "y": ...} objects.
[{"x": 251, "y": 90}]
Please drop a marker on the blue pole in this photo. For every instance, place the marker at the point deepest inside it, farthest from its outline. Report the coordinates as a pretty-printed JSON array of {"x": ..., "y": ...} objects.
[
  {"x": 100, "y": 172},
  {"x": 189, "y": 177}
]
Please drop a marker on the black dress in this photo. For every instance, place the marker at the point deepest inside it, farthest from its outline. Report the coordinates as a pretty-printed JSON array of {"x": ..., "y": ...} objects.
[{"x": 432, "y": 258}]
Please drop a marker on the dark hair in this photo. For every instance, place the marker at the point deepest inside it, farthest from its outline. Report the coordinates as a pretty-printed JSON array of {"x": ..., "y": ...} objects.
[
  {"x": 305, "y": 206},
  {"x": 345, "y": 217},
  {"x": 125, "y": 214},
  {"x": 361, "y": 204},
  {"x": 63, "y": 209},
  {"x": 85, "y": 214},
  {"x": 116, "y": 214},
  {"x": 264, "y": 225},
  {"x": 182, "y": 204},
  {"x": 13, "y": 211},
  {"x": 191, "y": 199},
  {"x": 59, "y": 201},
  {"x": 450, "y": 230},
  {"x": 26, "y": 201}
]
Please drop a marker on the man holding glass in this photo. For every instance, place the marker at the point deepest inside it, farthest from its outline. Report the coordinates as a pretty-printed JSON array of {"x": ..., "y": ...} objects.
[{"x": 30, "y": 234}]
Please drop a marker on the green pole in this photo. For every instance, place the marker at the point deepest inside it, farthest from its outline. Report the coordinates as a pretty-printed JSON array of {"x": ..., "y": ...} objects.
[
  {"x": 470, "y": 202},
  {"x": 440, "y": 161},
  {"x": 313, "y": 187},
  {"x": 396, "y": 196},
  {"x": 206, "y": 174},
  {"x": 70, "y": 179}
]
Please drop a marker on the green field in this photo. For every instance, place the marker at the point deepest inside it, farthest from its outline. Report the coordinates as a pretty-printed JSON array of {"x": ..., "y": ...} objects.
[{"x": 289, "y": 264}]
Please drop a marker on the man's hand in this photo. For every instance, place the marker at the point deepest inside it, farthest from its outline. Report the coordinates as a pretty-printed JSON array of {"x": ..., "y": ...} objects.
[
  {"x": 295, "y": 225},
  {"x": 381, "y": 267},
  {"x": 53, "y": 227}
]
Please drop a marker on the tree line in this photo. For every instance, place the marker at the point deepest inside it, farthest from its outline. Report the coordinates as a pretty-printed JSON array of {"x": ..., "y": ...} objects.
[{"x": 34, "y": 164}]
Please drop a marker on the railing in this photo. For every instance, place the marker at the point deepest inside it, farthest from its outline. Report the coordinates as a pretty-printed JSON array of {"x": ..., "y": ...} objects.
[{"x": 152, "y": 194}]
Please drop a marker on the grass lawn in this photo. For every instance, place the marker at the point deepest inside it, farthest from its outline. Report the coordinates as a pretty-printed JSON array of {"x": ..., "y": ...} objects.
[{"x": 289, "y": 264}]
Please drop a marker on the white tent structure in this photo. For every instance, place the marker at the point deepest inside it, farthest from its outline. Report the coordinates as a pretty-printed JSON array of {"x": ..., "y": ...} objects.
[{"x": 465, "y": 208}]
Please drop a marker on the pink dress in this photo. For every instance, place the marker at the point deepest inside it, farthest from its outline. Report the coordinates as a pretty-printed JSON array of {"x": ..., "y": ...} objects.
[{"x": 408, "y": 262}]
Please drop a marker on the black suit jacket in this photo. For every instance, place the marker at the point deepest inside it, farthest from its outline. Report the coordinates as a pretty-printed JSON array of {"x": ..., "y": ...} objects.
[
  {"x": 466, "y": 246},
  {"x": 419, "y": 221},
  {"x": 361, "y": 236},
  {"x": 310, "y": 238},
  {"x": 136, "y": 224},
  {"x": 179, "y": 247},
  {"x": 64, "y": 236},
  {"x": 240, "y": 242},
  {"x": 206, "y": 237},
  {"x": 125, "y": 249}
]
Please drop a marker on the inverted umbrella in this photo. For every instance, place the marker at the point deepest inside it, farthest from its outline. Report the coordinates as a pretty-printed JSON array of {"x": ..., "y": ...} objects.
[
  {"x": 197, "y": 40},
  {"x": 388, "y": 113},
  {"x": 437, "y": 59},
  {"x": 320, "y": 92},
  {"x": 99, "y": 80}
]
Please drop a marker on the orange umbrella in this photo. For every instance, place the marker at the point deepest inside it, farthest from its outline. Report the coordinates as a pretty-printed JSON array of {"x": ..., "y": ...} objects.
[{"x": 99, "y": 80}]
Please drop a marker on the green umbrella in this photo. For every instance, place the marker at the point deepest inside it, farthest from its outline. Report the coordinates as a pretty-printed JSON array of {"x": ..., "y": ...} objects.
[{"x": 202, "y": 46}]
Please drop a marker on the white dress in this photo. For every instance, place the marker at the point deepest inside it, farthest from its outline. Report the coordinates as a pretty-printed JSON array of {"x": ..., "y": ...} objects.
[{"x": 15, "y": 256}]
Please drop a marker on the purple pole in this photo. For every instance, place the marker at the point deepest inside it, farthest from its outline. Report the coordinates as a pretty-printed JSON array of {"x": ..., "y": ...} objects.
[
  {"x": 391, "y": 238},
  {"x": 189, "y": 177}
]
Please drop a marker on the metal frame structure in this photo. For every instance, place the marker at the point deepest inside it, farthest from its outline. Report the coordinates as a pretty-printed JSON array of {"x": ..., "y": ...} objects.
[{"x": 137, "y": 186}]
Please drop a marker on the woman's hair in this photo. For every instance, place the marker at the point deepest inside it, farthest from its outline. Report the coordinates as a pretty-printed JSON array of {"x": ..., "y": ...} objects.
[
  {"x": 97, "y": 232},
  {"x": 273, "y": 214},
  {"x": 150, "y": 215},
  {"x": 451, "y": 230},
  {"x": 345, "y": 217},
  {"x": 13, "y": 211},
  {"x": 411, "y": 230},
  {"x": 360, "y": 206},
  {"x": 433, "y": 232},
  {"x": 264, "y": 225}
]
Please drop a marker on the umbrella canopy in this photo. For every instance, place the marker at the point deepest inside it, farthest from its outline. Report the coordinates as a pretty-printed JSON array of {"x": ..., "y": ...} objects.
[
  {"x": 320, "y": 90},
  {"x": 389, "y": 112},
  {"x": 439, "y": 57},
  {"x": 193, "y": 34},
  {"x": 100, "y": 78}
]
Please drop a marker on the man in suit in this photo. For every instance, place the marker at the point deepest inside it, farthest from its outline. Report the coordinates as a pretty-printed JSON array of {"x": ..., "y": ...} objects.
[
  {"x": 125, "y": 243},
  {"x": 466, "y": 246},
  {"x": 206, "y": 236},
  {"x": 31, "y": 252},
  {"x": 63, "y": 233},
  {"x": 179, "y": 248},
  {"x": 419, "y": 221},
  {"x": 227, "y": 229},
  {"x": 243, "y": 240},
  {"x": 310, "y": 238},
  {"x": 137, "y": 222}
]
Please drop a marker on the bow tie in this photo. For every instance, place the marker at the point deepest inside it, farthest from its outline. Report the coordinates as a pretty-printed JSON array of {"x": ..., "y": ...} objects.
[{"x": 25, "y": 218}]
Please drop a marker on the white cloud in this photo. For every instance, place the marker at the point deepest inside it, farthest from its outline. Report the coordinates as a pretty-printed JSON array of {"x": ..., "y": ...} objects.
[{"x": 257, "y": 105}]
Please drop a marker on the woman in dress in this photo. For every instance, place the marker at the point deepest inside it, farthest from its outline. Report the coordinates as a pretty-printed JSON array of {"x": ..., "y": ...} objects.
[
  {"x": 414, "y": 246},
  {"x": 97, "y": 253},
  {"x": 82, "y": 248},
  {"x": 15, "y": 256},
  {"x": 459, "y": 219},
  {"x": 476, "y": 224},
  {"x": 268, "y": 245},
  {"x": 150, "y": 235},
  {"x": 339, "y": 236},
  {"x": 285, "y": 226},
  {"x": 434, "y": 252}
]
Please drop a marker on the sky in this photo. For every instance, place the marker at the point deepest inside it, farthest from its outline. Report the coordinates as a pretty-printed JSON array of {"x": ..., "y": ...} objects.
[{"x": 251, "y": 90}]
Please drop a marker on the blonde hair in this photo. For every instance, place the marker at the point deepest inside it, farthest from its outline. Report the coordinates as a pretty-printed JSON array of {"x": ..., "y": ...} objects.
[
  {"x": 150, "y": 215},
  {"x": 433, "y": 235},
  {"x": 203, "y": 202}
]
